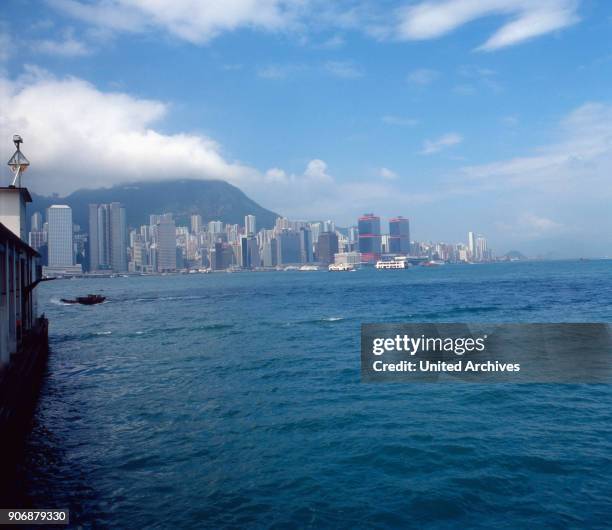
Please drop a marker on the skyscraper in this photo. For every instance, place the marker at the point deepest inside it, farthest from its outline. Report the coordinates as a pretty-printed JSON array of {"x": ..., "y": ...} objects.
[
  {"x": 36, "y": 222},
  {"x": 166, "y": 244},
  {"x": 249, "y": 225},
  {"x": 327, "y": 247},
  {"x": 369, "y": 238},
  {"x": 107, "y": 237},
  {"x": 118, "y": 237},
  {"x": 399, "y": 235},
  {"x": 471, "y": 246},
  {"x": 59, "y": 219},
  {"x": 305, "y": 245},
  {"x": 94, "y": 241},
  {"x": 288, "y": 247},
  {"x": 196, "y": 224}
]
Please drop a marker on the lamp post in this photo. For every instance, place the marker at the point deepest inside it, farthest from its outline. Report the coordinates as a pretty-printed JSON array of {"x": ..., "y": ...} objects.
[{"x": 18, "y": 162}]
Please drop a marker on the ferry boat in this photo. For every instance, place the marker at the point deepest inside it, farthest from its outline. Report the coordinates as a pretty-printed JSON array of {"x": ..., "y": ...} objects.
[
  {"x": 309, "y": 268},
  {"x": 388, "y": 265},
  {"x": 341, "y": 267}
]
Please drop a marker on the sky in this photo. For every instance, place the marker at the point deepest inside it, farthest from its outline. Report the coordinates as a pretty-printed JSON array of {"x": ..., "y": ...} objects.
[{"x": 493, "y": 116}]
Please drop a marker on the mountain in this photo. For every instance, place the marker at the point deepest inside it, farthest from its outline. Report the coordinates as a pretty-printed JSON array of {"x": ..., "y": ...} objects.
[{"x": 214, "y": 200}]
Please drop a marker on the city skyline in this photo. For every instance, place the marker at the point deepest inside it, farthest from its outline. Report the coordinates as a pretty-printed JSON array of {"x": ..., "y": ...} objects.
[
  {"x": 110, "y": 246},
  {"x": 461, "y": 113}
]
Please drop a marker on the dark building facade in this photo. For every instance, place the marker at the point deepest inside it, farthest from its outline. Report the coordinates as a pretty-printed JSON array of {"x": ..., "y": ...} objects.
[
  {"x": 370, "y": 241},
  {"x": 399, "y": 235},
  {"x": 327, "y": 247}
]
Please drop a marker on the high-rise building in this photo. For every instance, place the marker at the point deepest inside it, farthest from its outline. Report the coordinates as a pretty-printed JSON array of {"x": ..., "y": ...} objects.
[
  {"x": 270, "y": 253},
  {"x": 215, "y": 227},
  {"x": 196, "y": 224},
  {"x": 471, "y": 246},
  {"x": 166, "y": 244},
  {"x": 249, "y": 252},
  {"x": 327, "y": 247},
  {"x": 249, "y": 225},
  {"x": 369, "y": 238},
  {"x": 288, "y": 247},
  {"x": 108, "y": 243},
  {"x": 61, "y": 253},
  {"x": 94, "y": 241},
  {"x": 305, "y": 245},
  {"x": 399, "y": 235},
  {"x": 36, "y": 222},
  {"x": 118, "y": 237}
]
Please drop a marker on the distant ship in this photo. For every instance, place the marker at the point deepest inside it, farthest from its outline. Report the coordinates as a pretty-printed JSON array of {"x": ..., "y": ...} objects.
[
  {"x": 341, "y": 267},
  {"x": 90, "y": 299}
]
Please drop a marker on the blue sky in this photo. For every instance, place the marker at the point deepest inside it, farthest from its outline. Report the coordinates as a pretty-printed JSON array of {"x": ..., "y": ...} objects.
[{"x": 493, "y": 115}]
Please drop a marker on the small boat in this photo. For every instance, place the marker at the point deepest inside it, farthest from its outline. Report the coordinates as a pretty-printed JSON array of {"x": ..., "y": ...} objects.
[{"x": 90, "y": 299}]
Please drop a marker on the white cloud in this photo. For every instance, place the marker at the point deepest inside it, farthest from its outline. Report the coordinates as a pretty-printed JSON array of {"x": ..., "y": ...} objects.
[
  {"x": 343, "y": 69},
  {"x": 80, "y": 136},
  {"x": 528, "y": 225},
  {"x": 446, "y": 140},
  {"x": 387, "y": 173},
  {"x": 196, "y": 21},
  {"x": 422, "y": 76},
  {"x": 528, "y": 19},
  {"x": 68, "y": 47},
  {"x": 584, "y": 149}
]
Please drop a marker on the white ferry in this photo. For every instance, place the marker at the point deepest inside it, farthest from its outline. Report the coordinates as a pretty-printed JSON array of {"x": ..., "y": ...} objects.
[
  {"x": 395, "y": 264},
  {"x": 309, "y": 268},
  {"x": 341, "y": 267}
]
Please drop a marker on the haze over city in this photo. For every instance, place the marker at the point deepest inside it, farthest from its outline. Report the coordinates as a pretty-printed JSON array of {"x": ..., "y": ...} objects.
[{"x": 492, "y": 116}]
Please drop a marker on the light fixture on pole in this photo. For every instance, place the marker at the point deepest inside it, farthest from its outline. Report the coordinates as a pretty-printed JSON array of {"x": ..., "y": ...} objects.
[{"x": 18, "y": 162}]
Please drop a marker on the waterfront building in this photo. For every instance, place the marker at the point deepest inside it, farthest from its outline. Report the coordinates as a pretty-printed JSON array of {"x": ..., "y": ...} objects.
[
  {"x": 166, "y": 244},
  {"x": 60, "y": 241},
  {"x": 118, "y": 237},
  {"x": 249, "y": 251},
  {"x": 327, "y": 247},
  {"x": 399, "y": 236},
  {"x": 347, "y": 258},
  {"x": 306, "y": 245},
  {"x": 288, "y": 247},
  {"x": 369, "y": 238},
  {"x": 270, "y": 253},
  {"x": 471, "y": 246}
]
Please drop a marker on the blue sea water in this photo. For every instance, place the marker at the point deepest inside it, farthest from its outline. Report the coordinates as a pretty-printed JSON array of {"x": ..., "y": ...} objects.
[{"x": 234, "y": 400}]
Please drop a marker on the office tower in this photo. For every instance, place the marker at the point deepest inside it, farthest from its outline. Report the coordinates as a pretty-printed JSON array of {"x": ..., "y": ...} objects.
[
  {"x": 481, "y": 249},
  {"x": 329, "y": 226},
  {"x": 36, "y": 222},
  {"x": 104, "y": 240},
  {"x": 305, "y": 245},
  {"x": 107, "y": 246},
  {"x": 118, "y": 237},
  {"x": 270, "y": 253},
  {"x": 249, "y": 225},
  {"x": 369, "y": 237},
  {"x": 471, "y": 246},
  {"x": 154, "y": 219},
  {"x": 399, "y": 236},
  {"x": 196, "y": 223},
  {"x": 59, "y": 219},
  {"x": 249, "y": 252},
  {"x": 94, "y": 241},
  {"x": 288, "y": 247},
  {"x": 327, "y": 247},
  {"x": 166, "y": 244}
]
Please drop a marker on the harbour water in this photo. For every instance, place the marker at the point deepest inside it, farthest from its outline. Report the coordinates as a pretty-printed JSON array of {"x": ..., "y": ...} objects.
[{"x": 233, "y": 400}]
